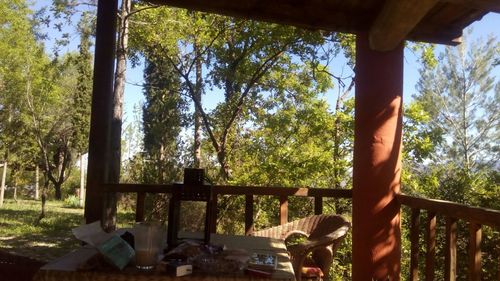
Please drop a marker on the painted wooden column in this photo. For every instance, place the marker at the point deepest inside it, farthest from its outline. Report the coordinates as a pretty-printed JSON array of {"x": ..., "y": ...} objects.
[
  {"x": 102, "y": 98},
  {"x": 377, "y": 163}
]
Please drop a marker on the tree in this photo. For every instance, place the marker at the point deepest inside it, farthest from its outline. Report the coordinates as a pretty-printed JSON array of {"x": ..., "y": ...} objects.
[
  {"x": 452, "y": 136},
  {"x": 239, "y": 57},
  {"x": 81, "y": 100},
  {"x": 462, "y": 98},
  {"x": 17, "y": 49},
  {"x": 83, "y": 95},
  {"x": 163, "y": 117},
  {"x": 49, "y": 109}
]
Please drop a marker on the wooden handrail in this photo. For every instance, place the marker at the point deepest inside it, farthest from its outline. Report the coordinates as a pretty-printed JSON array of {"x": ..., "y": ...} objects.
[
  {"x": 478, "y": 215},
  {"x": 475, "y": 216},
  {"x": 135, "y": 187},
  {"x": 452, "y": 212},
  {"x": 236, "y": 190},
  {"x": 248, "y": 191}
]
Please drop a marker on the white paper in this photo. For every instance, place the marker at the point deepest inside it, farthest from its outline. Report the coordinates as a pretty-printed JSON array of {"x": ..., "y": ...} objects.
[{"x": 91, "y": 233}]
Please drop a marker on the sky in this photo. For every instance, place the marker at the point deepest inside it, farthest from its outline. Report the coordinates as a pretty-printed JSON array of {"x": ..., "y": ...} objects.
[{"x": 490, "y": 24}]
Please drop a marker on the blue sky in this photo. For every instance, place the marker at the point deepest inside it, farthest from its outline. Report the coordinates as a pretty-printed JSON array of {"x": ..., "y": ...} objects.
[{"x": 490, "y": 24}]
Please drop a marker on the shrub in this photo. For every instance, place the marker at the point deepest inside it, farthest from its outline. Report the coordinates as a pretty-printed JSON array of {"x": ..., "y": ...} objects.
[{"x": 72, "y": 201}]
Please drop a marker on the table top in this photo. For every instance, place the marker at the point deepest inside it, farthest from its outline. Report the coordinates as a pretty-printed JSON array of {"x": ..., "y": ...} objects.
[{"x": 67, "y": 267}]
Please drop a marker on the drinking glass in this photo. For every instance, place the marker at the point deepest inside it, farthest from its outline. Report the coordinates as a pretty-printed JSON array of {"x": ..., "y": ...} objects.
[{"x": 149, "y": 242}]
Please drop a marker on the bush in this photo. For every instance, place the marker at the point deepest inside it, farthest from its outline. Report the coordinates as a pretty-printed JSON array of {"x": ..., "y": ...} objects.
[{"x": 72, "y": 201}]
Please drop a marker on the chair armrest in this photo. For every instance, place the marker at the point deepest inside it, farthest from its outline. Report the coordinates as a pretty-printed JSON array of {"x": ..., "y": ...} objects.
[
  {"x": 295, "y": 234},
  {"x": 311, "y": 244}
]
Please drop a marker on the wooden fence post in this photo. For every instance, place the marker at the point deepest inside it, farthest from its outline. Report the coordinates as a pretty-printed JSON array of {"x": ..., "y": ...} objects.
[
  {"x": 450, "y": 258},
  {"x": 431, "y": 246},
  {"x": 318, "y": 205},
  {"x": 139, "y": 208},
  {"x": 283, "y": 209},
  {"x": 474, "y": 251},
  {"x": 414, "y": 237},
  {"x": 248, "y": 214}
]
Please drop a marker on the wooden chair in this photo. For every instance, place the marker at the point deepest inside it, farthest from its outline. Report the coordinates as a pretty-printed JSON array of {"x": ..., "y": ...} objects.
[
  {"x": 17, "y": 268},
  {"x": 323, "y": 236}
]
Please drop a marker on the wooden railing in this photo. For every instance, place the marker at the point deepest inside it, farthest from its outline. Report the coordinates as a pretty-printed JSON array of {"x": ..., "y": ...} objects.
[
  {"x": 282, "y": 194},
  {"x": 452, "y": 212}
]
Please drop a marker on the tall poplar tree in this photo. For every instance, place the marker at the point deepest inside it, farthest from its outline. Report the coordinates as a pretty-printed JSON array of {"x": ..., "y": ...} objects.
[{"x": 163, "y": 116}]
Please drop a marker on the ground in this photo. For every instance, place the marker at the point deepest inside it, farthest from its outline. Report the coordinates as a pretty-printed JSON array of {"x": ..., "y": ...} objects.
[{"x": 47, "y": 240}]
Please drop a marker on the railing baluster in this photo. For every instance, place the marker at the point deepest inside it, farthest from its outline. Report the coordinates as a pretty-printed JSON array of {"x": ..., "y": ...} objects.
[
  {"x": 474, "y": 251},
  {"x": 213, "y": 215},
  {"x": 283, "y": 209},
  {"x": 414, "y": 237},
  {"x": 248, "y": 214},
  {"x": 431, "y": 246},
  {"x": 450, "y": 259},
  {"x": 318, "y": 205},
  {"x": 139, "y": 207},
  {"x": 498, "y": 263}
]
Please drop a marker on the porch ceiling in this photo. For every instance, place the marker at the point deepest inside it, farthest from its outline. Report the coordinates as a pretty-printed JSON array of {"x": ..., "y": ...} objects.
[{"x": 388, "y": 22}]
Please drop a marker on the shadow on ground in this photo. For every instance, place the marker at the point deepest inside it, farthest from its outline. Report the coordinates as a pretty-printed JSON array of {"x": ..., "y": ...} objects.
[{"x": 47, "y": 240}]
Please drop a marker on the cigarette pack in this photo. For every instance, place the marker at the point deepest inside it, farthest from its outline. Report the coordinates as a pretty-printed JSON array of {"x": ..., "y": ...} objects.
[
  {"x": 261, "y": 261},
  {"x": 177, "y": 269},
  {"x": 116, "y": 251}
]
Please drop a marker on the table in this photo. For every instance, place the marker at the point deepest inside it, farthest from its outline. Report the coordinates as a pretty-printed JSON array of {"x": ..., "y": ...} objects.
[{"x": 66, "y": 267}]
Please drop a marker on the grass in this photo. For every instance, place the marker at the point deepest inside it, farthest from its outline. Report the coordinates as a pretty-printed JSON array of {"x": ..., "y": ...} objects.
[{"x": 47, "y": 240}]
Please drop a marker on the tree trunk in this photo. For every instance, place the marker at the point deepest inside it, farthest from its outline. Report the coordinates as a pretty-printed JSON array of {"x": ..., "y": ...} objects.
[
  {"x": 44, "y": 199},
  {"x": 2, "y": 187},
  {"x": 110, "y": 199},
  {"x": 336, "y": 135},
  {"x": 58, "y": 194},
  {"x": 37, "y": 184},
  {"x": 82, "y": 181},
  {"x": 197, "y": 114},
  {"x": 60, "y": 176},
  {"x": 336, "y": 140},
  {"x": 224, "y": 167}
]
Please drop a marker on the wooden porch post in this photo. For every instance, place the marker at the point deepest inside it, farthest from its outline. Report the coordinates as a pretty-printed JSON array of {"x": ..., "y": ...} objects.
[
  {"x": 100, "y": 120},
  {"x": 377, "y": 163}
]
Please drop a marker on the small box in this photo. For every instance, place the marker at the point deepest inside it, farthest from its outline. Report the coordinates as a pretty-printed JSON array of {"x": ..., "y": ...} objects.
[
  {"x": 267, "y": 262},
  {"x": 116, "y": 251},
  {"x": 179, "y": 269}
]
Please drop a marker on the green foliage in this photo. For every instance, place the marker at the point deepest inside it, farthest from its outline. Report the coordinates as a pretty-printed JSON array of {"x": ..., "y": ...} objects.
[
  {"x": 162, "y": 117},
  {"x": 427, "y": 57},
  {"x": 419, "y": 138},
  {"x": 82, "y": 98},
  {"x": 72, "y": 201},
  {"x": 17, "y": 50},
  {"x": 451, "y": 142},
  {"x": 45, "y": 103},
  {"x": 251, "y": 63},
  {"x": 462, "y": 98}
]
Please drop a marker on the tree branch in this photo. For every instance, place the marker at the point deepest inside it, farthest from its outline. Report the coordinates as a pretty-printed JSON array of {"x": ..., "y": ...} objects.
[{"x": 261, "y": 70}]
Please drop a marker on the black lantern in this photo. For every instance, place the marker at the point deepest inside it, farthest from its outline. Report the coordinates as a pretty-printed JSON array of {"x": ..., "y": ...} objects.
[{"x": 193, "y": 189}]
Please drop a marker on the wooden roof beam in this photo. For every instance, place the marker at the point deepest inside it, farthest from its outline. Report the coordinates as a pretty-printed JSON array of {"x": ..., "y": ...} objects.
[
  {"x": 312, "y": 16},
  {"x": 396, "y": 20}
]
